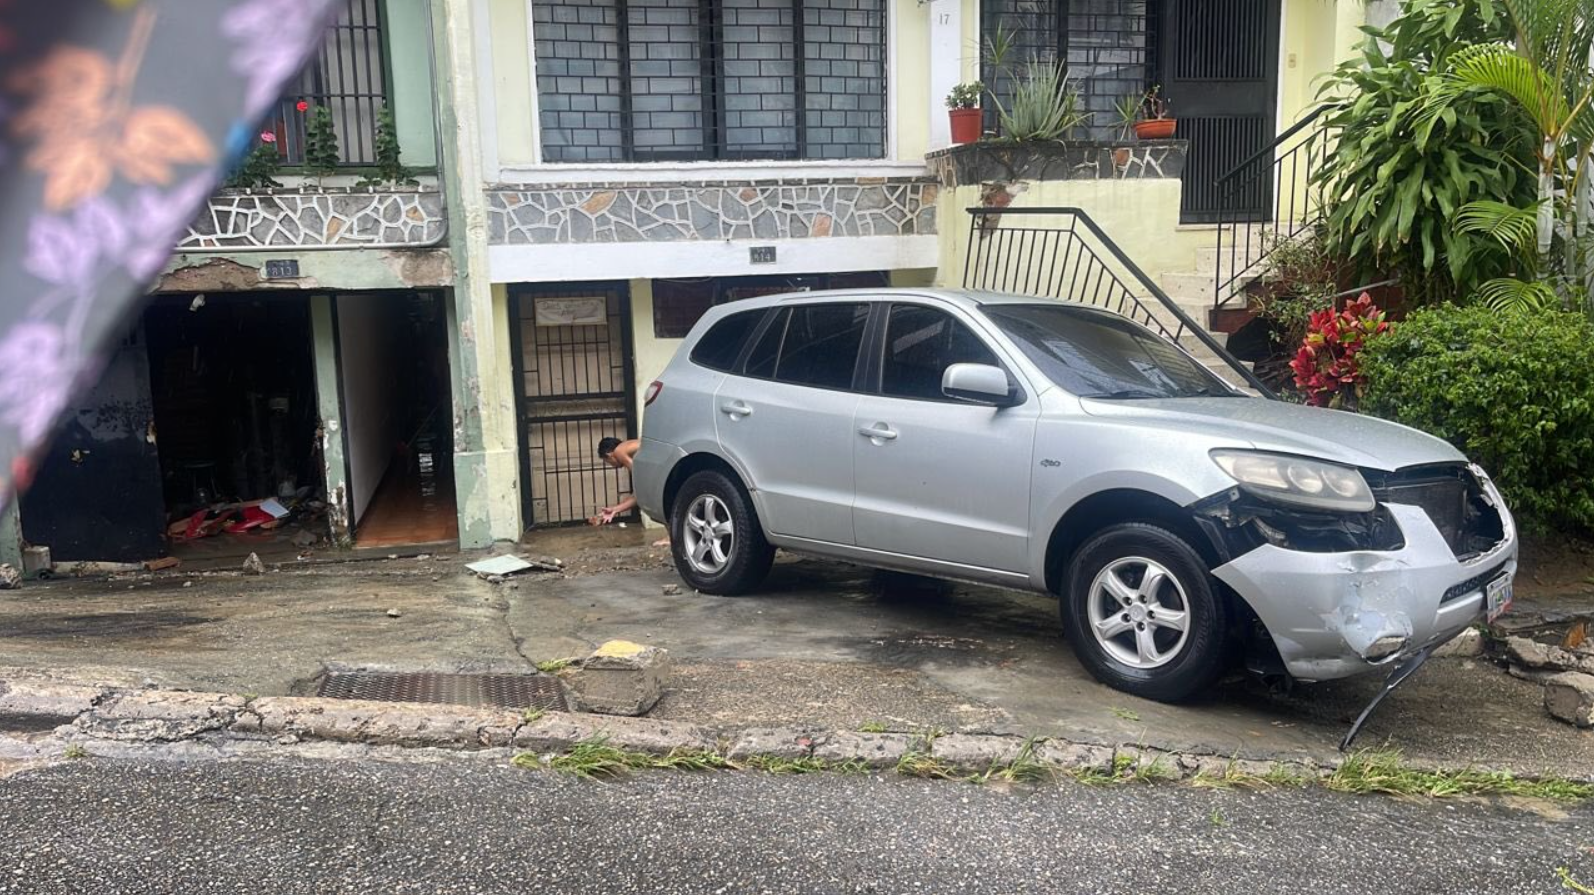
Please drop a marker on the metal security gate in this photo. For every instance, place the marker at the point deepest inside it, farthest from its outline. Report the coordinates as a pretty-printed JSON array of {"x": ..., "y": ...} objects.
[
  {"x": 572, "y": 352},
  {"x": 1219, "y": 71}
]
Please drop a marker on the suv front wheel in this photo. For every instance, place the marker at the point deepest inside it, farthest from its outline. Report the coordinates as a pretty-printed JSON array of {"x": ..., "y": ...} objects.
[
  {"x": 715, "y": 537},
  {"x": 1141, "y": 612}
]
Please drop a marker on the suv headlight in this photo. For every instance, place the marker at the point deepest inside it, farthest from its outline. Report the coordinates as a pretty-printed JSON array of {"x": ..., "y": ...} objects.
[{"x": 1310, "y": 484}]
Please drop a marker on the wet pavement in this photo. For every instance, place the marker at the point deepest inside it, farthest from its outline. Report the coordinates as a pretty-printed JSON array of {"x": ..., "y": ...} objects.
[
  {"x": 824, "y": 644},
  {"x": 468, "y": 826}
]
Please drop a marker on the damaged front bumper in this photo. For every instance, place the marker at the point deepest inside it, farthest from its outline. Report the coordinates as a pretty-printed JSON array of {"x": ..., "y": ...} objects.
[{"x": 1338, "y": 614}]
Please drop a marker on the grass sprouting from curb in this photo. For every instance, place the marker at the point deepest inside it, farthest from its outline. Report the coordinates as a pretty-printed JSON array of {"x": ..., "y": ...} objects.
[
  {"x": 532, "y": 716},
  {"x": 554, "y": 666},
  {"x": 1570, "y": 882},
  {"x": 75, "y": 751},
  {"x": 1383, "y": 772},
  {"x": 873, "y": 727},
  {"x": 1367, "y": 772}
]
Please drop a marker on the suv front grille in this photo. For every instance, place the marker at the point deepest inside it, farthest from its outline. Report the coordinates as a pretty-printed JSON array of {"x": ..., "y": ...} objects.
[{"x": 1453, "y": 500}]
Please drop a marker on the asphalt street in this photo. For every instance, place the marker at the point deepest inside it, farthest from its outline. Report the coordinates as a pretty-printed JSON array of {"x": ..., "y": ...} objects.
[{"x": 465, "y": 825}]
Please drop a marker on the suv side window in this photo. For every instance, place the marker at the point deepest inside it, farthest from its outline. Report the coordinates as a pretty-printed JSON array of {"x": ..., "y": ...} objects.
[
  {"x": 761, "y": 360},
  {"x": 821, "y": 345},
  {"x": 921, "y": 342},
  {"x": 722, "y": 344}
]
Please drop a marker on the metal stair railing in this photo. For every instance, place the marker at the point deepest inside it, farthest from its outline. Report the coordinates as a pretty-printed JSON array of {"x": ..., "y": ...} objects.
[
  {"x": 1067, "y": 256},
  {"x": 1267, "y": 199}
]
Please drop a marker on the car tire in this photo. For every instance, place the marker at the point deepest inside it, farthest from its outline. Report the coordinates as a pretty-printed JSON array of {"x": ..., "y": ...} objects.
[
  {"x": 1177, "y": 663},
  {"x": 715, "y": 538}
]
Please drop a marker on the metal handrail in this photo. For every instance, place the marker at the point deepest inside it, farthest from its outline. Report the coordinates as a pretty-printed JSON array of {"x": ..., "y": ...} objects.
[
  {"x": 1267, "y": 166},
  {"x": 1068, "y": 257}
]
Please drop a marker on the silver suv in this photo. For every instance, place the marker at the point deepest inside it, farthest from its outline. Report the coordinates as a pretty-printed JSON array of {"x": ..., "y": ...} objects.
[{"x": 1060, "y": 448}]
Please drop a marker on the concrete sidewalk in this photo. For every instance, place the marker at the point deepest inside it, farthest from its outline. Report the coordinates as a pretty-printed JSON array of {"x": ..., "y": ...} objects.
[{"x": 826, "y": 646}]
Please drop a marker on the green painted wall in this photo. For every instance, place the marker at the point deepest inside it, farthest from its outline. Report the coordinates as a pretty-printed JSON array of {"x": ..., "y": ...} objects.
[
  {"x": 323, "y": 335},
  {"x": 409, "y": 43},
  {"x": 512, "y": 81}
]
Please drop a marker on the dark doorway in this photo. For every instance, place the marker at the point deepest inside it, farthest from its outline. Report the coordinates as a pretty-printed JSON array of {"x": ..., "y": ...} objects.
[
  {"x": 397, "y": 417},
  {"x": 233, "y": 387},
  {"x": 1218, "y": 63},
  {"x": 96, "y": 494},
  {"x": 572, "y": 353}
]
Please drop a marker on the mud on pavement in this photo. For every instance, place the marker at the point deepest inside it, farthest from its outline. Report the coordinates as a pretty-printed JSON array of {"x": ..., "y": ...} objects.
[{"x": 825, "y": 646}]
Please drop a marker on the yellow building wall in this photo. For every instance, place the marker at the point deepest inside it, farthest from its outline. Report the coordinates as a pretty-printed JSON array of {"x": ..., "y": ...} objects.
[
  {"x": 1141, "y": 216},
  {"x": 512, "y": 99}
]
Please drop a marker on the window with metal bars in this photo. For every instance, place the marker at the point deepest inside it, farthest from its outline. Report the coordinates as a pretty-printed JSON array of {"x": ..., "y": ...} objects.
[
  {"x": 687, "y": 80},
  {"x": 1106, "y": 46},
  {"x": 350, "y": 77}
]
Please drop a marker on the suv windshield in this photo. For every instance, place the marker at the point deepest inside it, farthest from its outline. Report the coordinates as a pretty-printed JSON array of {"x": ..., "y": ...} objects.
[{"x": 1095, "y": 354}]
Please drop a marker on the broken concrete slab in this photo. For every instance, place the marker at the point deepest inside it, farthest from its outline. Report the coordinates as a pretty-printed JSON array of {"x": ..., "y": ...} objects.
[
  {"x": 558, "y": 731},
  {"x": 976, "y": 752},
  {"x": 253, "y": 565},
  {"x": 10, "y": 578},
  {"x": 1466, "y": 645},
  {"x": 1531, "y": 653},
  {"x": 1075, "y": 756},
  {"x": 876, "y": 750},
  {"x": 158, "y": 715},
  {"x": 775, "y": 742},
  {"x": 503, "y": 566},
  {"x": 38, "y": 706},
  {"x": 379, "y": 723},
  {"x": 1569, "y": 696},
  {"x": 619, "y": 678}
]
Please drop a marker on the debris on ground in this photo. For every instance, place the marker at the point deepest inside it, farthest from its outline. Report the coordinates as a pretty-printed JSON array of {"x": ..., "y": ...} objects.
[
  {"x": 164, "y": 562},
  {"x": 253, "y": 565},
  {"x": 394, "y": 613},
  {"x": 1569, "y": 696},
  {"x": 10, "y": 578},
  {"x": 671, "y": 590},
  {"x": 501, "y": 567},
  {"x": 619, "y": 678}
]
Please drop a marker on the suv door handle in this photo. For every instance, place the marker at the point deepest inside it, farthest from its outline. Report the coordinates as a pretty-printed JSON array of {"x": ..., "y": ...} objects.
[
  {"x": 878, "y": 430},
  {"x": 736, "y": 408}
]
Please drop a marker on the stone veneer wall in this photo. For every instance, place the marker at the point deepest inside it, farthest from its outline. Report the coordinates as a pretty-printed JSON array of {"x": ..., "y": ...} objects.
[
  {"x": 993, "y": 162},
  {"x": 674, "y": 212},
  {"x": 328, "y": 218}
]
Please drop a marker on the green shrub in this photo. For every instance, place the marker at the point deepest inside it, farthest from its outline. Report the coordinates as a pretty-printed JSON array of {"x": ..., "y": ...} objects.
[{"x": 1513, "y": 390}]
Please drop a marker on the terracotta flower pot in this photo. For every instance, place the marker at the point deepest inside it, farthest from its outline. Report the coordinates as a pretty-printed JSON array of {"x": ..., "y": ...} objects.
[
  {"x": 966, "y": 125},
  {"x": 1155, "y": 128}
]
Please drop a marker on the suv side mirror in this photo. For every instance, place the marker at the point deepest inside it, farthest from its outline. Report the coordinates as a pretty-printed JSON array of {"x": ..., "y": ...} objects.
[{"x": 979, "y": 384}]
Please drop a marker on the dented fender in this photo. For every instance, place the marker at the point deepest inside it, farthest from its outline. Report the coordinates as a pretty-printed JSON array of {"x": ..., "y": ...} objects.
[{"x": 1332, "y": 615}]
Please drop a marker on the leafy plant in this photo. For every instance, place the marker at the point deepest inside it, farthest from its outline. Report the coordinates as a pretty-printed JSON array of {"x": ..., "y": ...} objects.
[
  {"x": 1152, "y": 106},
  {"x": 1045, "y": 107},
  {"x": 1513, "y": 390},
  {"x": 1300, "y": 279},
  {"x": 1328, "y": 365},
  {"x": 321, "y": 155},
  {"x": 259, "y": 166},
  {"x": 1396, "y": 178},
  {"x": 389, "y": 167},
  {"x": 965, "y": 96},
  {"x": 1126, "y": 111}
]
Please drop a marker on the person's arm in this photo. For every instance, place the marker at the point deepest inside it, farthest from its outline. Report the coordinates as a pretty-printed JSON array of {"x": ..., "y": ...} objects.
[{"x": 620, "y": 508}]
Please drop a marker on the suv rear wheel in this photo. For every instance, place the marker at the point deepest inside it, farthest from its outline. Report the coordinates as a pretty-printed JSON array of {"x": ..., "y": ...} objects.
[
  {"x": 715, "y": 537},
  {"x": 1142, "y": 615}
]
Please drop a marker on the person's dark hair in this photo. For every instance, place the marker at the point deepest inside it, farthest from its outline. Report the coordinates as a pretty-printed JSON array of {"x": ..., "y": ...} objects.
[{"x": 607, "y": 446}]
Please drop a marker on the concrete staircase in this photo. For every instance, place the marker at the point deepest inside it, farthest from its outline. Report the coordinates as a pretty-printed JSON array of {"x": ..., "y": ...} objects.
[{"x": 1193, "y": 292}]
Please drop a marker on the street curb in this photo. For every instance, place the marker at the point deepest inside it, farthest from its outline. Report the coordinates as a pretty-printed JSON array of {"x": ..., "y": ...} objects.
[{"x": 84, "y": 715}]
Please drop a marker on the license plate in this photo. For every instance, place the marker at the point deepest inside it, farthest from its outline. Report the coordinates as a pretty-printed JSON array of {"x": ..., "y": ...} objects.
[{"x": 1497, "y": 596}]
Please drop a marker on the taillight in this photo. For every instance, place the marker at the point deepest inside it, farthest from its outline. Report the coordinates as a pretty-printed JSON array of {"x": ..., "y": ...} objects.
[{"x": 652, "y": 393}]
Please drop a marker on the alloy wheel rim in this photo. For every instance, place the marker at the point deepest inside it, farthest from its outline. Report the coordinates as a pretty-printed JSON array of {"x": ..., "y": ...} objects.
[
  {"x": 1138, "y": 612},
  {"x": 710, "y": 536}
]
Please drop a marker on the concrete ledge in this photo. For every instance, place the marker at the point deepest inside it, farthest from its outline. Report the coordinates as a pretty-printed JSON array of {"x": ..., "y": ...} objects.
[
  {"x": 558, "y": 731},
  {"x": 34, "y": 706},
  {"x": 378, "y": 723}
]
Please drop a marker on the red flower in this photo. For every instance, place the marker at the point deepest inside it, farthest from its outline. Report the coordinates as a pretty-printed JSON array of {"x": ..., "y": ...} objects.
[
  {"x": 268, "y": 137},
  {"x": 302, "y": 106}
]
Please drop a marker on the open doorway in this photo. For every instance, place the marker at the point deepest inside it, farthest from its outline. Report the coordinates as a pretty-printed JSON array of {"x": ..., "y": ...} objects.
[
  {"x": 232, "y": 386},
  {"x": 397, "y": 418}
]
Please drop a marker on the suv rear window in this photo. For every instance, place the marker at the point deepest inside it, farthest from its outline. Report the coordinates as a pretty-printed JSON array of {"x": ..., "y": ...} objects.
[{"x": 722, "y": 344}]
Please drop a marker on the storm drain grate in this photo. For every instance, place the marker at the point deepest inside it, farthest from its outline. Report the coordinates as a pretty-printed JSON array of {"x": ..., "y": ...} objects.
[{"x": 504, "y": 691}]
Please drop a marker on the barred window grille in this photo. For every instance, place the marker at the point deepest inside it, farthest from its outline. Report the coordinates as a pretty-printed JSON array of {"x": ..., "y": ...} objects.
[
  {"x": 1106, "y": 46},
  {"x": 685, "y": 80},
  {"x": 349, "y": 77}
]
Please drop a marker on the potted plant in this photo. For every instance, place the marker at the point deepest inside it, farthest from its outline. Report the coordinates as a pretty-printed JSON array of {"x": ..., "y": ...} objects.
[
  {"x": 1154, "y": 123},
  {"x": 963, "y": 105}
]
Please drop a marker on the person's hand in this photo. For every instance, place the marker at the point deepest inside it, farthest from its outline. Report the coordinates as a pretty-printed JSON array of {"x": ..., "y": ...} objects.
[{"x": 608, "y": 515}]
